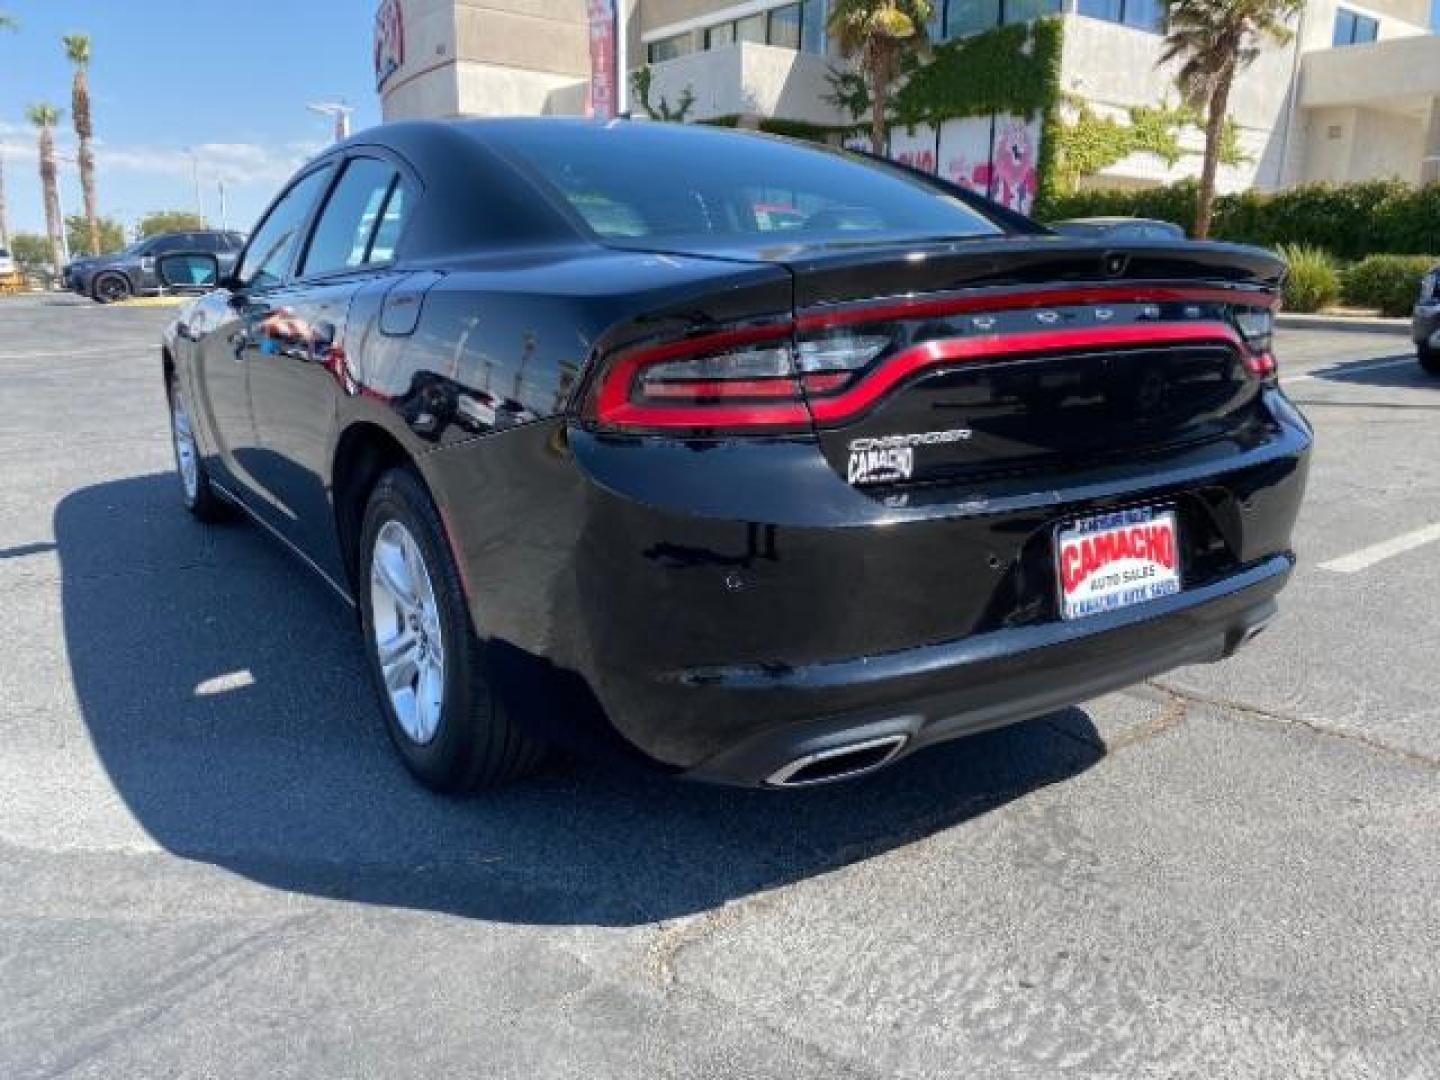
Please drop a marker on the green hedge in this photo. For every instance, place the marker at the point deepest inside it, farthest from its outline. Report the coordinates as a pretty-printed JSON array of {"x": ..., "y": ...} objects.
[
  {"x": 1313, "y": 282},
  {"x": 1388, "y": 282},
  {"x": 1350, "y": 221}
]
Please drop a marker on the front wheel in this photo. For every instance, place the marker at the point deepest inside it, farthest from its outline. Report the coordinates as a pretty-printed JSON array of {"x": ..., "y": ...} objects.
[
  {"x": 450, "y": 728},
  {"x": 111, "y": 288},
  {"x": 196, "y": 491},
  {"x": 1429, "y": 357}
]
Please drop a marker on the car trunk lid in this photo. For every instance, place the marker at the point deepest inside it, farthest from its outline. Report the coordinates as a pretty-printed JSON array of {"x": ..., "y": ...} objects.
[{"x": 977, "y": 359}]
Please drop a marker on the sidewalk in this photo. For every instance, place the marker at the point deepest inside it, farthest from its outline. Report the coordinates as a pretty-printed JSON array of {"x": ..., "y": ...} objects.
[{"x": 1366, "y": 324}]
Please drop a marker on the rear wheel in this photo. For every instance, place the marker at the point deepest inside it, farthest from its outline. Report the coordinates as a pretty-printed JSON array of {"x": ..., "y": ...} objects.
[
  {"x": 1429, "y": 357},
  {"x": 196, "y": 491},
  {"x": 450, "y": 728},
  {"x": 111, "y": 288}
]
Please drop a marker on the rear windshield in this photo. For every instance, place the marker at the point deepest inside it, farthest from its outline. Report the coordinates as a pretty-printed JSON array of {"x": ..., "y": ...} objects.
[{"x": 642, "y": 182}]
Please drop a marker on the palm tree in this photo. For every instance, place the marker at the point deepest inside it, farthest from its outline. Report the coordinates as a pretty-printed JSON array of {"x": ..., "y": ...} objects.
[
  {"x": 77, "y": 49},
  {"x": 1215, "y": 40},
  {"x": 4, "y": 213},
  {"x": 880, "y": 33},
  {"x": 45, "y": 116},
  {"x": 7, "y": 22}
]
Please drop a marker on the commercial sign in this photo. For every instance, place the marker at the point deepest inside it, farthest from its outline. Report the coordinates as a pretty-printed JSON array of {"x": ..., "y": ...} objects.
[
  {"x": 603, "y": 89},
  {"x": 389, "y": 40}
]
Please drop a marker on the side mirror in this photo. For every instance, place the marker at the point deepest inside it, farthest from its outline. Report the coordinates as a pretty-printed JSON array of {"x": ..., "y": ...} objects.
[{"x": 188, "y": 272}]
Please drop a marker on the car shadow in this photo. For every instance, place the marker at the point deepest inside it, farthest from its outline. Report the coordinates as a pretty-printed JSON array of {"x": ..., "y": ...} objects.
[
  {"x": 224, "y": 693},
  {"x": 1402, "y": 371}
]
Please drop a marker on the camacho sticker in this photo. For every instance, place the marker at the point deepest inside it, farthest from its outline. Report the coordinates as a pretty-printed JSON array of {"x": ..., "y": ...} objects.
[{"x": 889, "y": 458}]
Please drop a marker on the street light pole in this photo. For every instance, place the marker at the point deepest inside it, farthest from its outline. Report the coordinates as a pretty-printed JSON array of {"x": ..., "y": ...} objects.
[
  {"x": 195, "y": 179},
  {"x": 60, "y": 206},
  {"x": 224, "y": 207},
  {"x": 339, "y": 112}
]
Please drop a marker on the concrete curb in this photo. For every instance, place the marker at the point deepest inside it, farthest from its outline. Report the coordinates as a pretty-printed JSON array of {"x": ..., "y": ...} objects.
[{"x": 1358, "y": 324}]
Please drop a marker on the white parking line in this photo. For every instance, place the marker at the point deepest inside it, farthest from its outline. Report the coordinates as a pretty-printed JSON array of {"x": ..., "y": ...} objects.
[
  {"x": 102, "y": 350},
  {"x": 1368, "y": 556},
  {"x": 1346, "y": 369}
]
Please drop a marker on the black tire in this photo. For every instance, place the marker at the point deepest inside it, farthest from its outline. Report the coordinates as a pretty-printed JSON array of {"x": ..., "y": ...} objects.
[
  {"x": 476, "y": 744},
  {"x": 111, "y": 288},
  {"x": 199, "y": 497},
  {"x": 1429, "y": 358}
]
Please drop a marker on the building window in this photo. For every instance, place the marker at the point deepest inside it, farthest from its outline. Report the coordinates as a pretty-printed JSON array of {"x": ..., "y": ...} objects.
[
  {"x": 669, "y": 48},
  {"x": 961, "y": 18},
  {"x": 717, "y": 37},
  {"x": 965, "y": 17},
  {"x": 1019, "y": 11},
  {"x": 812, "y": 26},
  {"x": 1352, "y": 28},
  {"x": 785, "y": 26},
  {"x": 751, "y": 29},
  {"x": 799, "y": 26},
  {"x": 1141, "y": 14}
]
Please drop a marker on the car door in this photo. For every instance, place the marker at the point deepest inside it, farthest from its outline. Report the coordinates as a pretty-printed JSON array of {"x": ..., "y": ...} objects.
[
  {"x": 297, "y": 363},
  {"x": 226, "y": 321}
]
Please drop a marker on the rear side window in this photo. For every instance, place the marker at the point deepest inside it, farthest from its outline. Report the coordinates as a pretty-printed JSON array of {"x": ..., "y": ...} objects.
[
  {"x": 267, "y": 259},
  {"x": 345, "y": 234},
  {"x": 392, "y": 219},
  {"x": 642, "y": 181}
]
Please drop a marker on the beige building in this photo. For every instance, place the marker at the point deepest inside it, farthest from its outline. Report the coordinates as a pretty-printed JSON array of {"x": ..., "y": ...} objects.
[{"x": 1353, "y": 97}]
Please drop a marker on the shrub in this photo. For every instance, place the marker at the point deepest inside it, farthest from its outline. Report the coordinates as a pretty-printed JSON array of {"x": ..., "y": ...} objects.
[
  {"x": 1313, "y": 281},
  {"x": 1348, "y": 220},
  {"x": 1388, "y": 282}
]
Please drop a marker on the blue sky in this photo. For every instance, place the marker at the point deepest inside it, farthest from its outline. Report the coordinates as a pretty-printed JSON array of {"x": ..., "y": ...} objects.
[{"x": 228, "y": 81}]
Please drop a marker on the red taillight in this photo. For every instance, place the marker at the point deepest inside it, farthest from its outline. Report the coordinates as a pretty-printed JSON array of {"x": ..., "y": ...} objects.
[
  {"x": 752, "y": 378},
  {"x": 829, "y": 367},
  {"x": 741, "y": 378}
]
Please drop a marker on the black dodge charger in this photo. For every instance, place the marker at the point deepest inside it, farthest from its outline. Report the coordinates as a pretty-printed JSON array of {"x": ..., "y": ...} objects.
[{"x": 754, "y": 460}]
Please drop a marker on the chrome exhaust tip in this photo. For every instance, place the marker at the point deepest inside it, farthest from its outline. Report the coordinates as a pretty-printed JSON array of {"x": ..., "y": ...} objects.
[{"x": 838, "y": 763}]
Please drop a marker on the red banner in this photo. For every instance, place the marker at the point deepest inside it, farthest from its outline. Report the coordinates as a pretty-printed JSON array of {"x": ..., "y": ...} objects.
[
  {"x": 389, "y": 41},
  {"x": 604, "y": 90}
]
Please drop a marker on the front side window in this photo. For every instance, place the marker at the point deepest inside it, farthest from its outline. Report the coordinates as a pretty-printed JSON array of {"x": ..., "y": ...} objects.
[
  {"x": 176, "y": 242},
  {"x": 267, "y": 259},
  {"x": 342, "y": 237},
  {"x": 639, "y": 182}
]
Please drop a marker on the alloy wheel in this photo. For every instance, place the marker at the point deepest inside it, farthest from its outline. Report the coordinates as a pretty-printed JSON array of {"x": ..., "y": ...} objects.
[
  {"x": 187, "y": 455},
  {"x": 405, "y": 621},
  {"x": 111, "y": 288}
]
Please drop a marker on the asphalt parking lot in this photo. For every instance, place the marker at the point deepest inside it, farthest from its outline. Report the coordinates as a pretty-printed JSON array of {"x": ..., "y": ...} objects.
[{"x": 211, "y": 864}]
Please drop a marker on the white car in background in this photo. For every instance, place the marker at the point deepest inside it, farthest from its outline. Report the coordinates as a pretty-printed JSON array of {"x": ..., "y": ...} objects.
[{"x": 7, "y": 264}]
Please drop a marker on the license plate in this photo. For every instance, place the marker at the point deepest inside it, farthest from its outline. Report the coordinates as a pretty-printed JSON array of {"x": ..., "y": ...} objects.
[{"x": 1117, "y": 560}]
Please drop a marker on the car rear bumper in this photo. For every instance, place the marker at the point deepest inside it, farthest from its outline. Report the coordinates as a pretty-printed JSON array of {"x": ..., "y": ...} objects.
[
  {"x": 728, "y": 608},
  {"x": 909, "y": 700}
]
